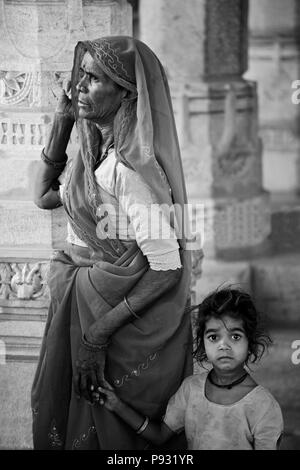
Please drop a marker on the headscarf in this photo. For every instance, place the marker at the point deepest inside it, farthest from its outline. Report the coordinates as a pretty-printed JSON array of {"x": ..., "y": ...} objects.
[{"x": 145, "y": 136}]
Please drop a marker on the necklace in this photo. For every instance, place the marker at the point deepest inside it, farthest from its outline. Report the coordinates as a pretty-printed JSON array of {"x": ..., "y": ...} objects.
[{"x": 228, "y": 386}]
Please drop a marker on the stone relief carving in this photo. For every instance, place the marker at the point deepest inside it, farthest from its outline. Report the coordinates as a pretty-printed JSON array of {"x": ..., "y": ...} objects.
[
  {"x": 229, "y": 157},
  {"x": 18, "y": 133},
  {"x": 14, "y": 87},
  {"x": 23, "y": 281},
  {"x": 195, "y": 163},
  {"x": 242, "y": 223},
  {"x": 224, "y": 159}
]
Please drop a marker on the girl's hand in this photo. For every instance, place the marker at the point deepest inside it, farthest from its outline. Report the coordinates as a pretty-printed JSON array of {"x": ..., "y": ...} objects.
[
  {"x": 64, "y": 105},
  {"x": 107, "y": 398}
]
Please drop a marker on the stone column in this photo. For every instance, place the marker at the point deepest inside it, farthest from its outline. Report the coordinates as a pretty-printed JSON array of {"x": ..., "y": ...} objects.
[
  {"x": 37, "y": 39},
  {"x": 216, "y": 115},
  {"x": 274, "y": 55}
]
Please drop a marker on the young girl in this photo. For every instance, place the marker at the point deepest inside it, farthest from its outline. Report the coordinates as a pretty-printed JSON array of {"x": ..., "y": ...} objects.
[{"x": 223, "y": 408}]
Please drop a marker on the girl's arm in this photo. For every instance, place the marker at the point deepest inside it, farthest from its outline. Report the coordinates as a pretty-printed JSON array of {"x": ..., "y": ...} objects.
[{"x": 157, "y": 433}]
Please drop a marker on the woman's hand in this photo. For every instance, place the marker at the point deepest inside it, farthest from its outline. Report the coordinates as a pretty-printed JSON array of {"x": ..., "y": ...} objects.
[
  {"x": 89, "y": 372},
  {"x": 64, "y": 104}
]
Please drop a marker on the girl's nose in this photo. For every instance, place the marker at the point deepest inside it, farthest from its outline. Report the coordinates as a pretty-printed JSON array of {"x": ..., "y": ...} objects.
[{"x": 224, "y": 345}]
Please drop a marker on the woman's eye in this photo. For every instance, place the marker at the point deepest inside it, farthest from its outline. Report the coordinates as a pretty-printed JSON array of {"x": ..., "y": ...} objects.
[{"x": 92, "y": 77}]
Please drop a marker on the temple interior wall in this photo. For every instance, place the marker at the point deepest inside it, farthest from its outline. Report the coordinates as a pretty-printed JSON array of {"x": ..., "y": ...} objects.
[{"x": 230, "y": 65}]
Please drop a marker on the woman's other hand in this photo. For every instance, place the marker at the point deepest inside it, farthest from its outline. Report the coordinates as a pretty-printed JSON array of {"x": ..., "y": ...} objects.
[
  {"x": 64, "y": 104},
  {"x": 89, "y": 373}
]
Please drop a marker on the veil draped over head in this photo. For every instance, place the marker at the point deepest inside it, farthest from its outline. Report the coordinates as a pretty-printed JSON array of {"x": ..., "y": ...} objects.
[{"x": 145, "y": 136}]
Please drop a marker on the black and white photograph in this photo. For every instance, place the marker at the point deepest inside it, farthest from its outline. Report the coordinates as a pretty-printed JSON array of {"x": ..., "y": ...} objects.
[{"x": 149, "y": 227}]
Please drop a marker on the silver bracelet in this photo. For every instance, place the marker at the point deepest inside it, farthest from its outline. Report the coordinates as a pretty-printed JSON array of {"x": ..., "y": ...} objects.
[
  {"x": 129, "y": 308},
  {"x": 60, "y": 165},
  {"x": 143, "y": 427},
  {"x": 92, "y": 347}
]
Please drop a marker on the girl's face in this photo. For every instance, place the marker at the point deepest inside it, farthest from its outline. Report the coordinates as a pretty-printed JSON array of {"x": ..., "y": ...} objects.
[
  {"x": 99, "y": 97},
  {"x": 225, "y": 342}
]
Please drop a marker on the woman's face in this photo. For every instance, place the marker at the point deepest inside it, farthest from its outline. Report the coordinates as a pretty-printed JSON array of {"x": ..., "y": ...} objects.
[{"x": 99, "y": 97}]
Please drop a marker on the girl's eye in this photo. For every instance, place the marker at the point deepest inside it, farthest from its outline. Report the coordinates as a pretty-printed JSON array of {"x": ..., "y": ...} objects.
[
  {"x": 236, "y": 337},
  {"x": 212, "y": 337}
]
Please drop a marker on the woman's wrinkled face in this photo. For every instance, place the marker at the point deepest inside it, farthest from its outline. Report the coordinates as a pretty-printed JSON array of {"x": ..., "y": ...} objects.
[{"x": 99, "y": 97}]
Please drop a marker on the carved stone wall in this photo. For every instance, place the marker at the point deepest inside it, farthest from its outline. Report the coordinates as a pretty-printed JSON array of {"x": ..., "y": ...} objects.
[
  {"x": 216, "y": 116},
  {"x": 37, "y": 40},
  {"x": 274, "y": 58}
]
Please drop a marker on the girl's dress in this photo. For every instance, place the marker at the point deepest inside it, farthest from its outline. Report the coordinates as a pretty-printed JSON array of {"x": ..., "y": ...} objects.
[{"x": 253, "y": 422}]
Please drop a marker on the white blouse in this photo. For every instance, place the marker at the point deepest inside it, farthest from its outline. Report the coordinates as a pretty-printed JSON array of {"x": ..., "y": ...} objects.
[{"x": 130, "y": 212}]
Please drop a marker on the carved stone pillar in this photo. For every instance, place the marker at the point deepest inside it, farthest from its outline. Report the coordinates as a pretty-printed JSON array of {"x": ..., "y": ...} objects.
[
  {"x": 274, "y": 55},
  {"x": 216, "y": 115},
  {"x": 37, "y": 40}
]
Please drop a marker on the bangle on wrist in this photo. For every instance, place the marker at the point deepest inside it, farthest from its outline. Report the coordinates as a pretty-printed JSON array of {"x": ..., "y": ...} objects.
[
  {"x": 143, "y": 426},
  {"x": 129, "y": 308},
  {"x": 56, "y": 165},
  {"x": 93, "y": 347}
]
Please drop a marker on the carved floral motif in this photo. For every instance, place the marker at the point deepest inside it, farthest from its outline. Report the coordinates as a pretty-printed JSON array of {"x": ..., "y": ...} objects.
[
  {"x": 22, "y": 281},
  {"x": 14, "y": 86}
]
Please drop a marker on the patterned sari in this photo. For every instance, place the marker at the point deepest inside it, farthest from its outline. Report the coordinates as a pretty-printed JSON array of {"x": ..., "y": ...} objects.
[{"x": 149, "y": 357}]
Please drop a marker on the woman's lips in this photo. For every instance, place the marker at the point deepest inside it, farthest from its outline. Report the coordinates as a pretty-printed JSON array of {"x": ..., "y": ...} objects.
[{"x": 82, "y": 103}]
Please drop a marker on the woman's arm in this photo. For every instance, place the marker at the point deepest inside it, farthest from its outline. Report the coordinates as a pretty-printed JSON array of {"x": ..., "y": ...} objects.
[
  {"x": 91, "y": 355},
  {"x": 46, "y": 195},
  {"x": 151, "y": 286}
]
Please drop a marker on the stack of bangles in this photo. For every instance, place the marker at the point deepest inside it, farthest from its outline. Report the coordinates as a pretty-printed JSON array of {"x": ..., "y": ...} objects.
[
  {"x": 143, "y": 426},
  {"x": 92, "y": 347},
  {"x": 56, "y": 165}
]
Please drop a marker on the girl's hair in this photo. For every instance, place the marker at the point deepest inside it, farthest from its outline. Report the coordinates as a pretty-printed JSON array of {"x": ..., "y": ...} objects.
[{"x": 236, "y": 304}]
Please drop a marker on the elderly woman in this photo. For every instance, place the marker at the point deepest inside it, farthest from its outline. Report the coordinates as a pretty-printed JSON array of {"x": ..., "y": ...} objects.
[{"x": 117, "y": 316}]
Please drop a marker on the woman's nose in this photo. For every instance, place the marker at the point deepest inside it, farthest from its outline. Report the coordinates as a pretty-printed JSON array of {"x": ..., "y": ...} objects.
[{"x": 81, "y": 86}]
